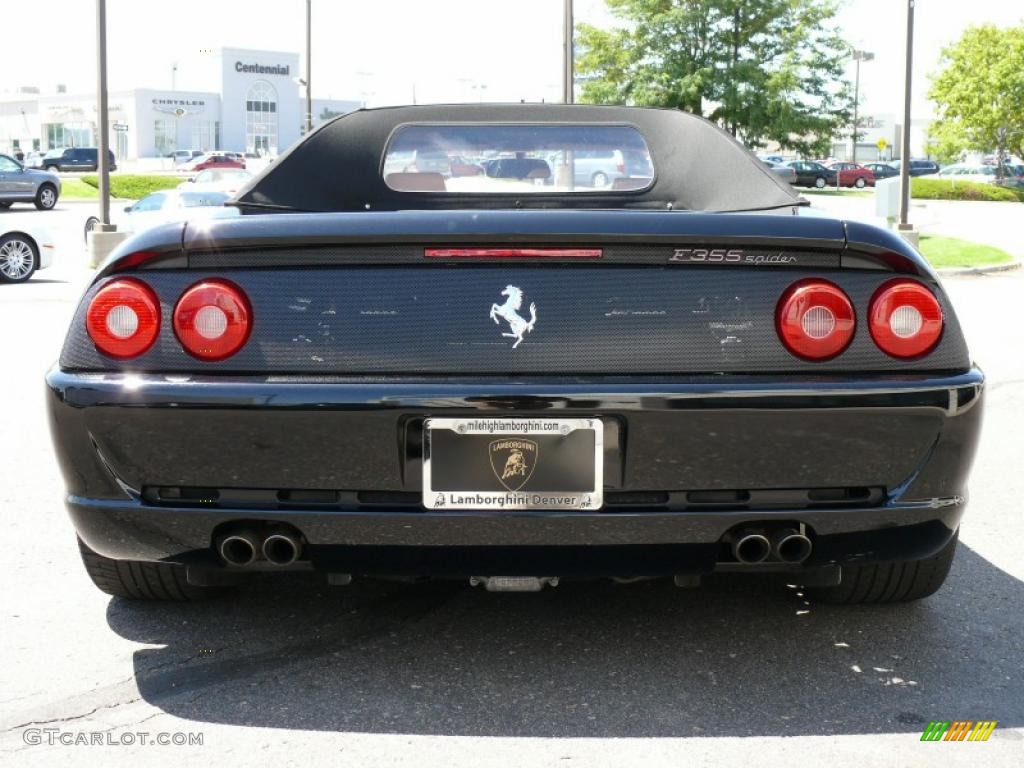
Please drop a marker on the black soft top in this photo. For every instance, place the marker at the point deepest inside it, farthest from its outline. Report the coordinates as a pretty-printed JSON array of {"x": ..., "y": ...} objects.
[{"x": 339, "y": 167}]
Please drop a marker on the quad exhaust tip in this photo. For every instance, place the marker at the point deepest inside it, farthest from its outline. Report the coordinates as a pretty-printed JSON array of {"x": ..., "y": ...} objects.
[
  {"x": 239, "y": 548},
  {"x": 246, "y": 546},
  {"x": 785, "y": 544},
  {"x": 281, "y": 548},
  {"x": 791, "y": 546},
  {"x": 751, "y": 548}
]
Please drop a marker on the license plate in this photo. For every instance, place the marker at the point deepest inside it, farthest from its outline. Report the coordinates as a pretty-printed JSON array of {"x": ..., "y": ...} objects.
[{"x": 508, "y": 464}]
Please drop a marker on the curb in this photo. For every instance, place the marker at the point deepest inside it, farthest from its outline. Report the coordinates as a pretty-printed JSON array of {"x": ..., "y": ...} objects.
[{"x": 957, "y": 271}]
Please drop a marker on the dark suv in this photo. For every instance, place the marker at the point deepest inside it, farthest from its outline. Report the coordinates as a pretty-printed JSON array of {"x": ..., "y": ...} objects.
[
  {"x": 75, "y": 159},
  {"x": 918, "y": 167}
]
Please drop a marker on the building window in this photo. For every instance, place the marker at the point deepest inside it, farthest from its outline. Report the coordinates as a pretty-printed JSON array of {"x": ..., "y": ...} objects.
[
  {"x": 261, "y": 119},
  {"x": 165, "y": 136},
  {"x": 204, "y": 135},
  {"x": 60, "y": 135}
]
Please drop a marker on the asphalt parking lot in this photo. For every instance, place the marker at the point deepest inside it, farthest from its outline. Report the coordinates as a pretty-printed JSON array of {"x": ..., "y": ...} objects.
[{"x": 293, "y": 672}]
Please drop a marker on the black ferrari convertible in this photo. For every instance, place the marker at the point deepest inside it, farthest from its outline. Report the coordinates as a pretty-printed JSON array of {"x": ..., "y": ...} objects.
[{"x": 630, "y": 353}]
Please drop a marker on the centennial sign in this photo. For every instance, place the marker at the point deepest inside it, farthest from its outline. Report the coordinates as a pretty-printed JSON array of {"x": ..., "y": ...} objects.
[{"x": 263, "y": 69}]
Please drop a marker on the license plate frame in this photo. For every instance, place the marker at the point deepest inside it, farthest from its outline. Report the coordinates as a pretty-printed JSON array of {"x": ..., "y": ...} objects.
[{"x": 502, "y": 438}]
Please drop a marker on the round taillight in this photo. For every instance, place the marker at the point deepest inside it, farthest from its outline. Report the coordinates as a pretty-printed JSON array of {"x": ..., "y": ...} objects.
[
  {"x": 815, "y": 319},
  {"x": 213, "y": 319},
  {"x": 123, "y": 318},
  {"x": 906, "y": 319}
]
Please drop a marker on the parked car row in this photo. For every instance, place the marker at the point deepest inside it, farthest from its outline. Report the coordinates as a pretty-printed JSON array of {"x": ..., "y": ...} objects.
[
  {"x": 822, "y": 174},
  {"x": 597, "y": 169}
]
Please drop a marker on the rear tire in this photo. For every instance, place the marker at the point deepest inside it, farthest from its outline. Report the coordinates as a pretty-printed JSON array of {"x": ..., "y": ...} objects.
[
  {"x": 896, "y": 582},
  {"x": 46, "y": 197},
  {"x": 860, "y": 183},
  {"x": 136, "y": 580},
  {"x": 599, "y": 180},
  {"x": 820, "y": 182}
]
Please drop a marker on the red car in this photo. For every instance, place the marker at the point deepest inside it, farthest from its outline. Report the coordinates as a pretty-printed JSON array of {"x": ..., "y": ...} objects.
[
  {"x": 853, "y": 175},
  {"x": 203, "y": 162}
]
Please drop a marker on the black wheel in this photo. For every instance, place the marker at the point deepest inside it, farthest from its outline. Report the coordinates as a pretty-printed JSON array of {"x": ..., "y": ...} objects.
[
  {"x": 52, "y": 168},
  {"x": 599, "y": 180},
  {"x": 46, "y": 197},
  {"x": 896, "y": 582},
  {"x": 820, "y": 182},
  {"x": 90, "y": 225},
  {"x": 136, "y": 580},
  {"x": 19, "y": 258},
  {"x": 860, "y": 183}
]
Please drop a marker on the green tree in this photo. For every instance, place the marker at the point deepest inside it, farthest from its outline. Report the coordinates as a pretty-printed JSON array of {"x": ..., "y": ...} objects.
[
  {"x": 762, "y": 69},
  {"x": 979, "y": 93}
]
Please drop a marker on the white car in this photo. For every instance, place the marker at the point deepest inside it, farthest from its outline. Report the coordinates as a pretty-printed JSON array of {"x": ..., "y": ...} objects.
[
  {"x": 25, "y": 246},
  {"x": 967, "y": 172},
  {"x": 170, "y": 205},
  {"x": 227, "y": 180}
]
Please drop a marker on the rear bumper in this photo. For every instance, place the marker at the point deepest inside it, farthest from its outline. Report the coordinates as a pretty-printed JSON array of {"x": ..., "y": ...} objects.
[
  {"x": 463, "y": 544},
  {"x": 119, "y": 437}
]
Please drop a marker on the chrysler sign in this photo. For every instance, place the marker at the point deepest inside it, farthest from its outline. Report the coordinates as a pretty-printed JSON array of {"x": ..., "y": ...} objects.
[{"x": 179, "y": 107}]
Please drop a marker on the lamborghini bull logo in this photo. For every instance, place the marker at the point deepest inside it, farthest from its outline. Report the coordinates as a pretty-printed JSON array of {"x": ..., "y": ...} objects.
[
  {"x": 509, "y": 312},
  {"x": 513, "y": 461}
]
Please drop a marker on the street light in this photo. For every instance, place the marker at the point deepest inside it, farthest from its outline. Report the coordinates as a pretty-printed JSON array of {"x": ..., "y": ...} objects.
[
  {"x": 309, "y": 66},
  {"x": 904, "y": 225},
  {"x": 102, "y": 161},
  {"x": 858, "y": 56},
  {"x": 567, "y": 53}
]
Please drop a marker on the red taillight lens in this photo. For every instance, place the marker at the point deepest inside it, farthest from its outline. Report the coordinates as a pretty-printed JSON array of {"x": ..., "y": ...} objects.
[
  {"x": 815, "y": 320},
  {"x": 123, "y": 318},
  {"x": 906, "y": 319},
  {"x": 213, "y": 319}
]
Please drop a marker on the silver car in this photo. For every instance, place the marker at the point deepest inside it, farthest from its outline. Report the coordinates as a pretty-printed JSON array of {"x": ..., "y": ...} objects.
[
  {"x": 19, "y": 184},
  {"x": 784, "y": 172}
]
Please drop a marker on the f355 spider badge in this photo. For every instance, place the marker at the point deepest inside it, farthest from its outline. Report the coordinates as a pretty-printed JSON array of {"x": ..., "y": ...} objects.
[{"x": 509, "y": 312}]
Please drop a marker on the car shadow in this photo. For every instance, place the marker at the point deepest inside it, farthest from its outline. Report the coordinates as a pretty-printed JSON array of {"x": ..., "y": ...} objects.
[
  {"x": 737, "y": 657},
  {"x": 39, "y": 281}
]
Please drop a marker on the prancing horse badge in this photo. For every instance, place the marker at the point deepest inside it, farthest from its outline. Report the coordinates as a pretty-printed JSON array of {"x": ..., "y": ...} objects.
[{"x": 509, "y": 312}]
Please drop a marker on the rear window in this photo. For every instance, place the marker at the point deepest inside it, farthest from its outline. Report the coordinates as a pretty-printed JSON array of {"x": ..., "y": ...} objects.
[{"x": 517, "y": 159}]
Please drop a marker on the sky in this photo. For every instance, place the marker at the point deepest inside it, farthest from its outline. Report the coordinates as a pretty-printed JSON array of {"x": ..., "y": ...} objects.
[{"x": 384, "y": 52}]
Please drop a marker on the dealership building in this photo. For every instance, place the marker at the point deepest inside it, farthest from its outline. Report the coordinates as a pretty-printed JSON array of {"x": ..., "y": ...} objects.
[{"x": 231, "y": 98}]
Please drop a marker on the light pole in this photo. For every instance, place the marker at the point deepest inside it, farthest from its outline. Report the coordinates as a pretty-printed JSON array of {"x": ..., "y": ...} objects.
[
  {"x": 904, "y": 224},
  {"x": 567, "y": 53},
  {"x": 858, "y": 56},
  {"x": 103, "y": 161},
  {"x": 309, "y": 66}
]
